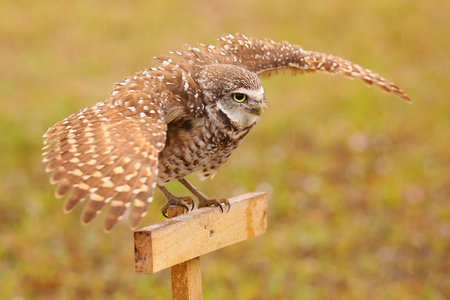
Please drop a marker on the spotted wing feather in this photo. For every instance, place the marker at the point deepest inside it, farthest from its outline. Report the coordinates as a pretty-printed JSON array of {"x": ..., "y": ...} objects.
[
  {"x": 265, "y": 57},
  {"x": 109, "y": 152}
]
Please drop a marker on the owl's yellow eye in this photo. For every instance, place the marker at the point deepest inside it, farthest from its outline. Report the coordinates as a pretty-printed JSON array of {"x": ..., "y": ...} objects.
[{"x": 239, "y": 97}]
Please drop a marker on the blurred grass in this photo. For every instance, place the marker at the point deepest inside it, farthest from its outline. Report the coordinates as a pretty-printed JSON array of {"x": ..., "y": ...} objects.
[{"x": 358, "y": 180}]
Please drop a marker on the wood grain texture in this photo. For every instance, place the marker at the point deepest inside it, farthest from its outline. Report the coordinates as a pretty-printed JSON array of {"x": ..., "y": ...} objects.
[
  {"x": 186, "y": 280},
  {"x": 186, "y": 277},
  {"x": 199, "y": 232}
]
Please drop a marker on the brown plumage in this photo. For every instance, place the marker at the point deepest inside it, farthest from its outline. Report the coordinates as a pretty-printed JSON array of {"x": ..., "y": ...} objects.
[{"x": 186, "y": 115}]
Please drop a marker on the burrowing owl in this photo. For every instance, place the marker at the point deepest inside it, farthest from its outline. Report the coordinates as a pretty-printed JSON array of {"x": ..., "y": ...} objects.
[{"x": 186, "y": 115}]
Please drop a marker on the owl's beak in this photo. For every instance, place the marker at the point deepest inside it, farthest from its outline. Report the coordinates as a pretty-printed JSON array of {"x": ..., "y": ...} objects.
[{"x": 257, "y": 110}]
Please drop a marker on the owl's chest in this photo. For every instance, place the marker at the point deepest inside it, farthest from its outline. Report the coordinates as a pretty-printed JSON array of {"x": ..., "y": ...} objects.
[{"x": 195, "y": 146}]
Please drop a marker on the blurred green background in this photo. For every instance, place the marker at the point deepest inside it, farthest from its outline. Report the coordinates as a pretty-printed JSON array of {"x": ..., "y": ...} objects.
[{"x": 359, "y": 181}]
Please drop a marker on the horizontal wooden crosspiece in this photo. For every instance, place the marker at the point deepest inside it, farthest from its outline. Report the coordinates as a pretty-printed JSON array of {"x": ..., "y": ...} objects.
[{"x": 199, "y": 232}]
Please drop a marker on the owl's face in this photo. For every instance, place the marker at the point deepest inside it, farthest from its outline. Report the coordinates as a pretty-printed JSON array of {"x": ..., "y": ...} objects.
[
  {"x": 242, "y": 106},
  {"x": 235, "y": 92}
]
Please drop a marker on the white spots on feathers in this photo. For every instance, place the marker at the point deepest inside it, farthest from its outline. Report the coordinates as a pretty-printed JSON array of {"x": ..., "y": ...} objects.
[{"x": 109, "y": 152}]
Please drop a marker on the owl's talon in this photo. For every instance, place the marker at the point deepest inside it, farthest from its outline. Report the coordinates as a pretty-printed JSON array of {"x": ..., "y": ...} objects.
[
  {"x": 205, "y": 202},
  {"x": 226, "y": 202},
  {"x": 178, "y": 201}
]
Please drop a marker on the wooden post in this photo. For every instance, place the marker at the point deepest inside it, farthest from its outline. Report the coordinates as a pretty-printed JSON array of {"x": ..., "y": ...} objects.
[
  {"x": 186, "y": 277},
  {"x": 186, "y": 280},
  {"x": 179, "y": 241}
]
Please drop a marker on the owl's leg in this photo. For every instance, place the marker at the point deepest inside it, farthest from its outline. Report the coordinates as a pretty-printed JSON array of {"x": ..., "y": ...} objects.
[
  {"x": 204, "y": 201},
  {"x": 174, "y": 200}
]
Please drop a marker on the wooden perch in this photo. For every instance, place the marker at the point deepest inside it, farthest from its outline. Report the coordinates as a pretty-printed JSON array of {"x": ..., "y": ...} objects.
[{"x": 198, "y": 232}]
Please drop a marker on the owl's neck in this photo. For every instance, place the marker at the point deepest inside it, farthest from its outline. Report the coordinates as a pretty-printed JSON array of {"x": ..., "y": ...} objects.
[{"x": 224, "y": 130}]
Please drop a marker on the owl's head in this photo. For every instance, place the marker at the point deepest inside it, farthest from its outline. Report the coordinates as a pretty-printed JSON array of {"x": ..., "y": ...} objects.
[{"x": 234, "y": 93}]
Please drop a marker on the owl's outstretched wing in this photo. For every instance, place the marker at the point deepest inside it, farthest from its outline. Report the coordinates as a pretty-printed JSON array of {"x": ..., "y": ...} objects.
[
  {"x": 104, "y": 152},
  {"x": 109, "y": 151},
  {"x": 265, "y": 57}
]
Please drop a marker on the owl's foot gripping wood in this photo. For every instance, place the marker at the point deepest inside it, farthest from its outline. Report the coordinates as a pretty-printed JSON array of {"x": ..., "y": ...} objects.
[
  {"x": 203, "y": 200},
  {"x": 174, "y": 200}
]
